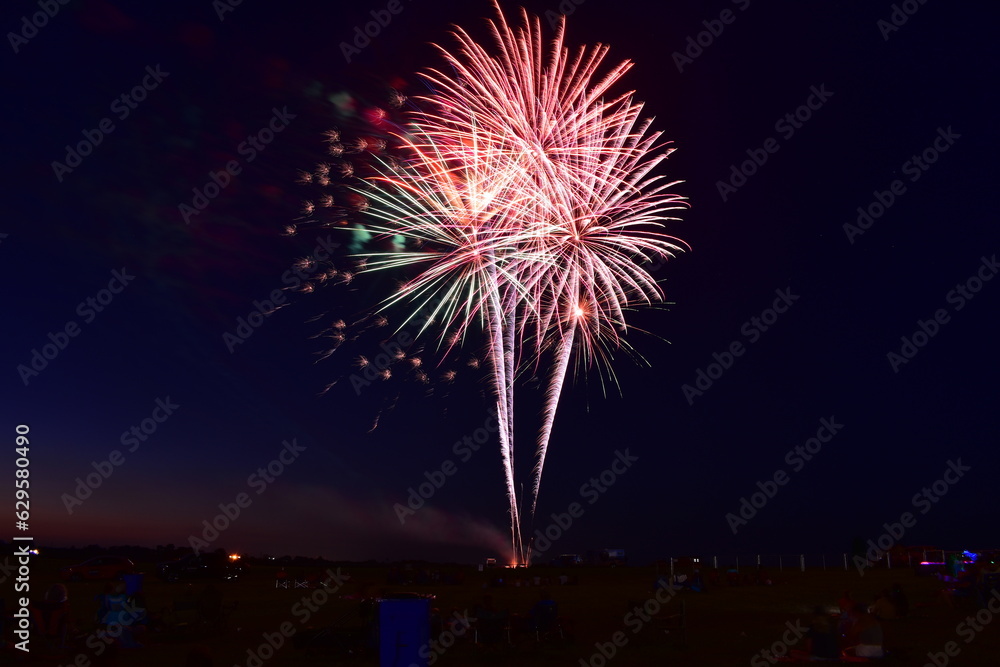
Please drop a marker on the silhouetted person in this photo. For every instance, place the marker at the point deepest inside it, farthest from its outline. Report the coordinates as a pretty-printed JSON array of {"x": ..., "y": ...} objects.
[
  {"x": 823, "y": 640},
  {"x": 52, "y": 616},
  {"x": 899, "y": 600},
  {"x": 864, "y": 634}
]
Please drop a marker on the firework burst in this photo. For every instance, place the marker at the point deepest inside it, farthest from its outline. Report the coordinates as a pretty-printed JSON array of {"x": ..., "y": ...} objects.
[{"x": 524, "y": 199}]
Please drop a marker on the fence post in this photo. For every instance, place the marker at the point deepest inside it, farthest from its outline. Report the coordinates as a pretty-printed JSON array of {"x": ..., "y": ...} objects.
[
  {"x": 888, "y": 561},
  {"x": 758, "y": 561},
  {"x": 715, "y": 562},
  {"x": 737, "y": 565},
  {"x": 824, "y": 562},
  {"x": 779, "y": 562},
  {"x": 845, "y": 562},
  {"x": 802, "y": 562},
  {"x": 671, "y": 569}
]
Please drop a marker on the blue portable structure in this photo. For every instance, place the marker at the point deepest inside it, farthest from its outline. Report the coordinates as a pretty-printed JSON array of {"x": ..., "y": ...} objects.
[{"x": 404, "y": 629}]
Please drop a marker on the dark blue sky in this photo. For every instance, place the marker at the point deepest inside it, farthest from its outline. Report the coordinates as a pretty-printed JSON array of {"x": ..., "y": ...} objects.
[{"x": 879, "y": 97}]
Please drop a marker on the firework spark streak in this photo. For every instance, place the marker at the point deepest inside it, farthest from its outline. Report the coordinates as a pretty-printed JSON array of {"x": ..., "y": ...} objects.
[{"x": 528, "y": 212}]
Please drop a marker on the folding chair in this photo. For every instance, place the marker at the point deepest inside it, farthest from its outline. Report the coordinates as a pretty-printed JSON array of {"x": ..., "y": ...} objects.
[
  {"x": 547, "y": 625},
  {"x": 492, "y": 631}
]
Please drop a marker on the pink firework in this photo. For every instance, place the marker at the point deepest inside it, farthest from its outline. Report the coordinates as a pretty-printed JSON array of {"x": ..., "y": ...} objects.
[{"x": 529, "y": 211}]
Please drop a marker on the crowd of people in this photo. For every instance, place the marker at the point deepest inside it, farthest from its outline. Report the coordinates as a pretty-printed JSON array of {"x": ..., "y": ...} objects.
[{"x": 122, "y": 618}]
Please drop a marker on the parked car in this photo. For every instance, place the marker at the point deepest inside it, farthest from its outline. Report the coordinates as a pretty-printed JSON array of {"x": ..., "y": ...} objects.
[
  {"x": 102, "y": 567},
  {"x": 201, "y": 566},
  {"x": 567, "y": 560}
]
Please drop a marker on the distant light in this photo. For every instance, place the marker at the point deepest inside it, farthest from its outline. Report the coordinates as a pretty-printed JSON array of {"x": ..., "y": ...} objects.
[
  {"x": 34, "y": 552},
  {"x": 234, "y": 556}
]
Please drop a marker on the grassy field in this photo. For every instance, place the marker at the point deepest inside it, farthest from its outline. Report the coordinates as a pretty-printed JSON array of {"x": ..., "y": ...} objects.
[{"x": 728, "y": 625}]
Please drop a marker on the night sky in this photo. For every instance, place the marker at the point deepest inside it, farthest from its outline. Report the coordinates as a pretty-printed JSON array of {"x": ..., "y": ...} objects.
[{"x": 905, "y": 114}]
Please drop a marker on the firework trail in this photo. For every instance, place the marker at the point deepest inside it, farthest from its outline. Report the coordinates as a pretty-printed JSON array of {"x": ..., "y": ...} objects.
[
  {"x": 581, "y": 164},
  {"x": 528, "y": 211}
]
